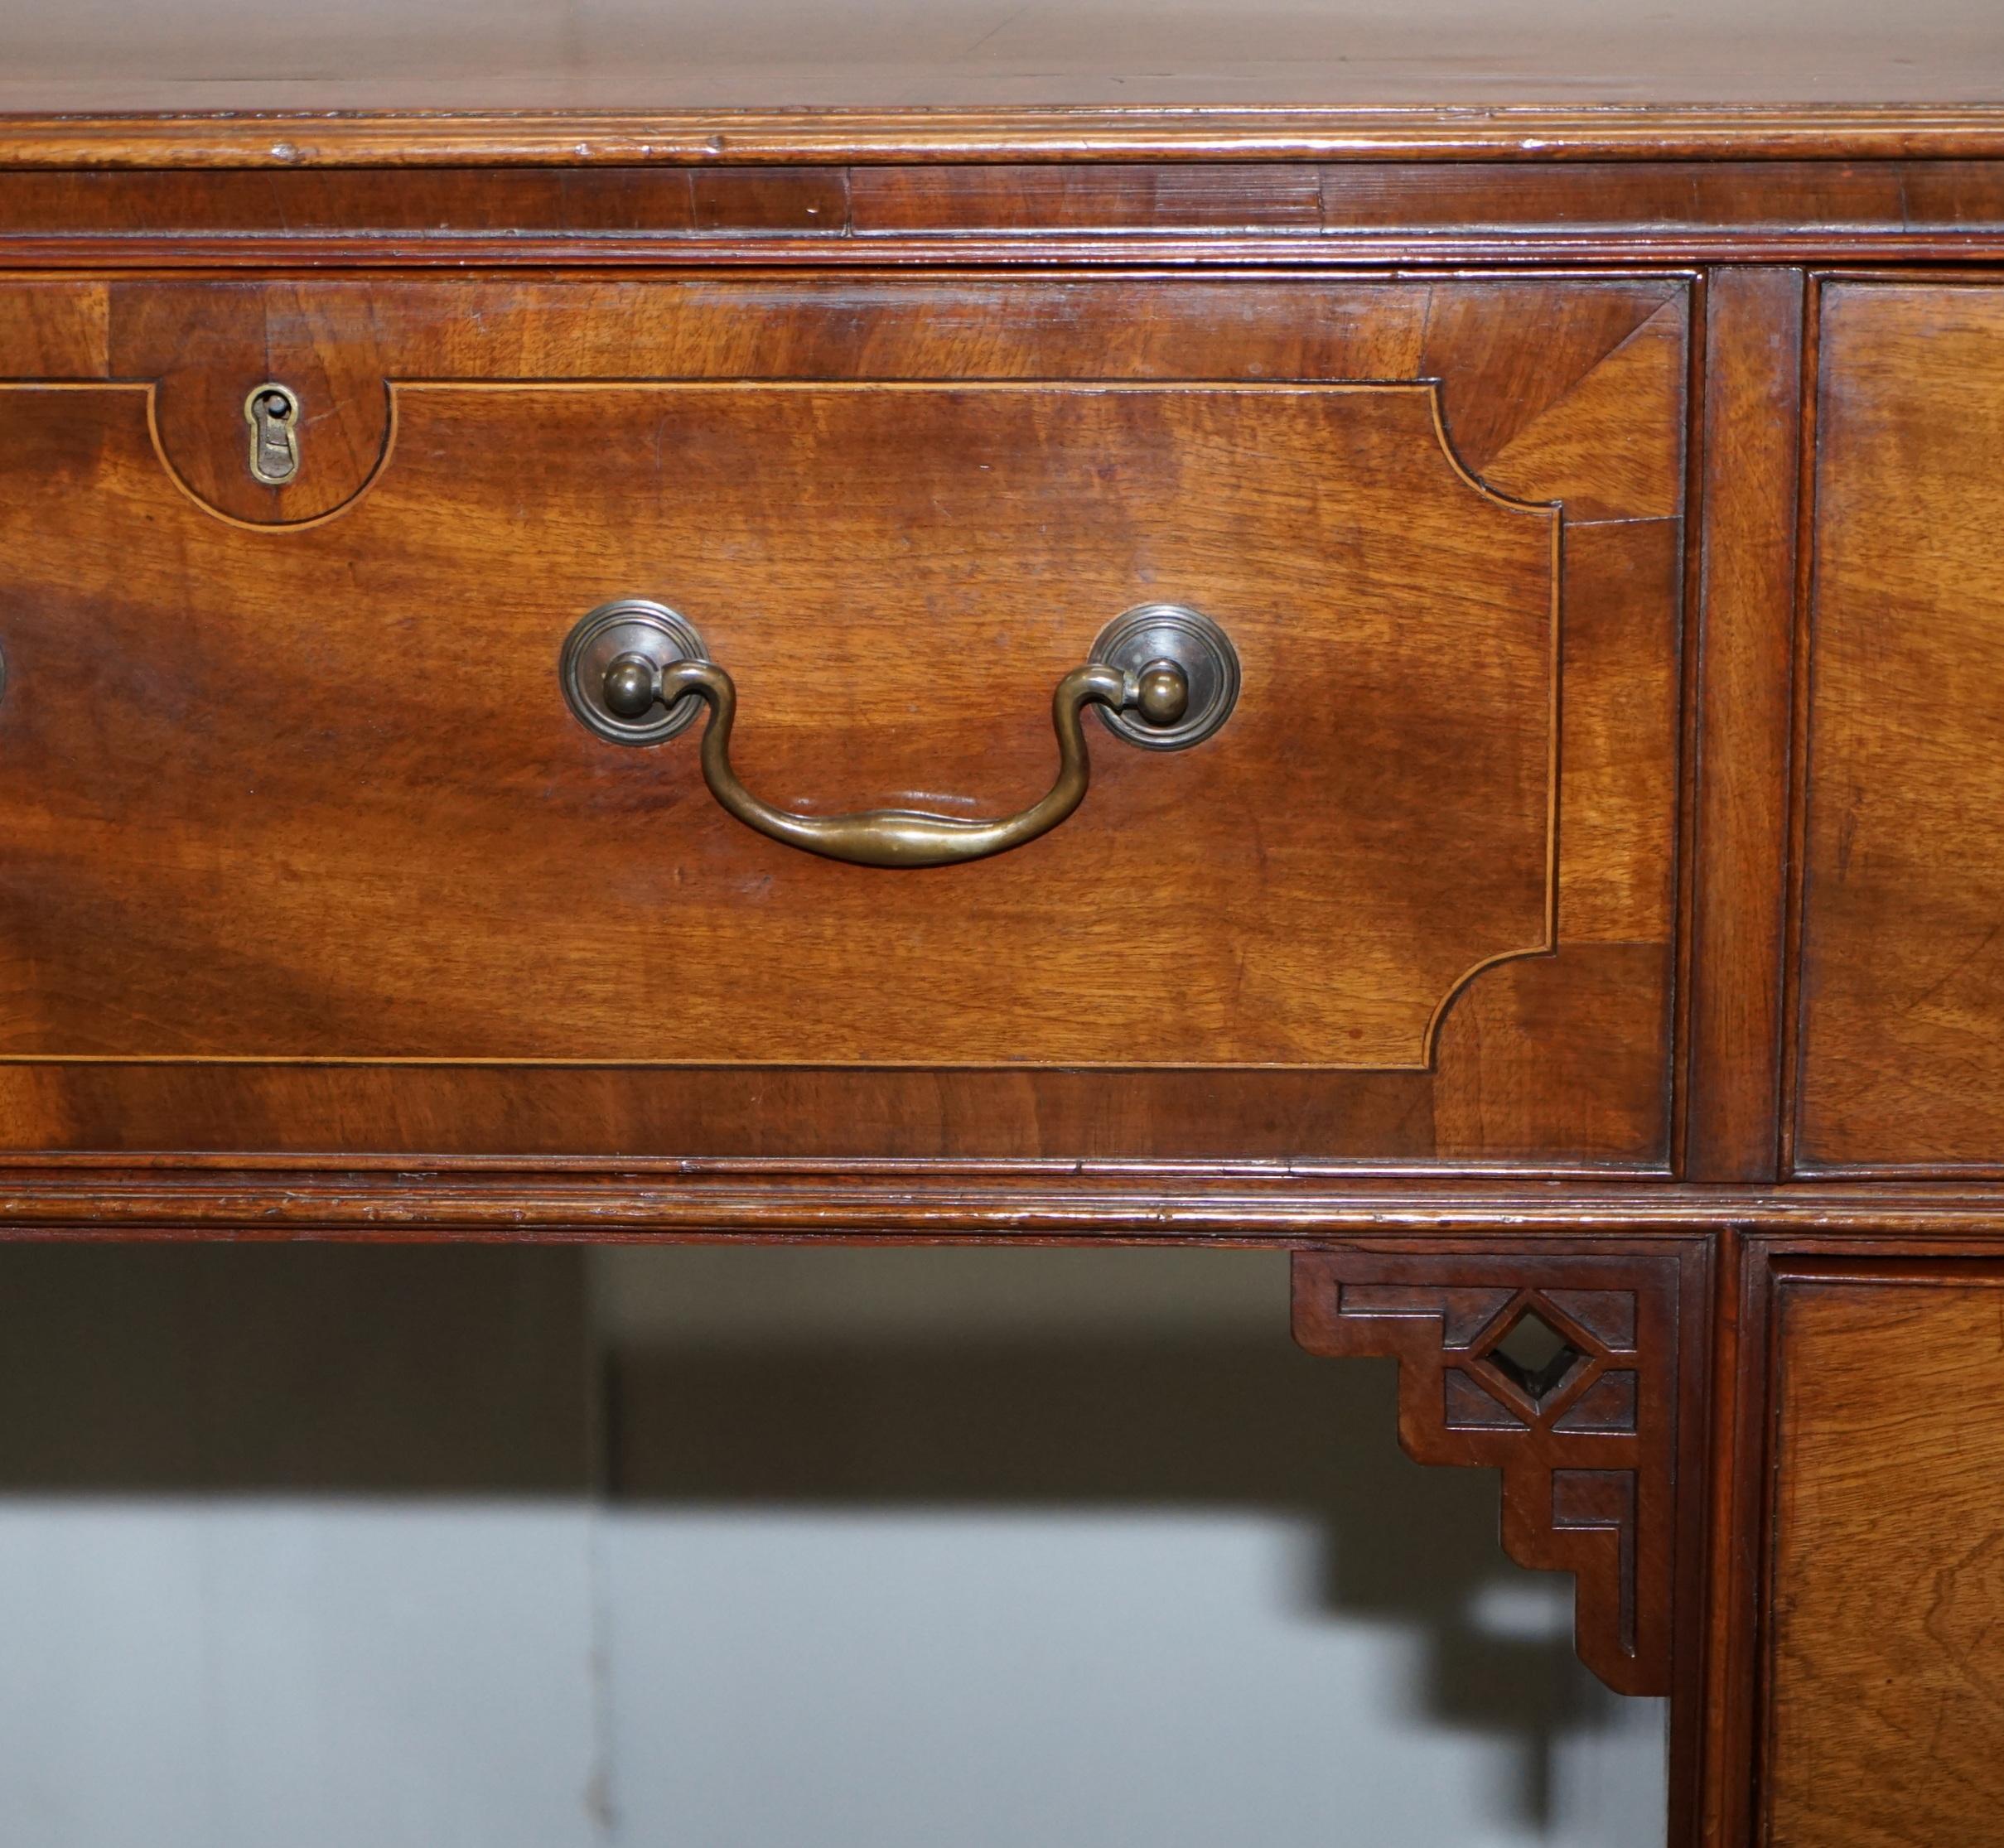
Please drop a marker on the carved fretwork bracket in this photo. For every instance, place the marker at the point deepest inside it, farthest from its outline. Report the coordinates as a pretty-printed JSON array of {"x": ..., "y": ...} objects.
[{"x": 1561, "y": 1371}]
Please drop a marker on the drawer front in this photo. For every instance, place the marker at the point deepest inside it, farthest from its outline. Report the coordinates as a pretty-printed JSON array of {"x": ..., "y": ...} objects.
[
  {"x": 1886, "y": 1592},
  {"x": 1902, "y": 990},
  {"x": 308, "y": 850}
]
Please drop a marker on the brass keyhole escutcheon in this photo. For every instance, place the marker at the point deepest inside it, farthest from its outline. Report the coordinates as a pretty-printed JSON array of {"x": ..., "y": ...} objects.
[{"x": 272, "y": 412}]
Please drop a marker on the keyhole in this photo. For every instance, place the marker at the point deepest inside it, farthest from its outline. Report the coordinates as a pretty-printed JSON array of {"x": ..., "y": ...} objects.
[{"x": 273, "y": 413}]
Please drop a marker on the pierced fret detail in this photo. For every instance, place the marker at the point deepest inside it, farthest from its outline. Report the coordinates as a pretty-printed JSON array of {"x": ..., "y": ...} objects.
[{"x": 1560, "y": 1371}]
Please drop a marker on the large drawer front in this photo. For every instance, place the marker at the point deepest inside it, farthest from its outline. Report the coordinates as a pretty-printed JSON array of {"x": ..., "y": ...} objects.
[{"x": 305, "y": 849}]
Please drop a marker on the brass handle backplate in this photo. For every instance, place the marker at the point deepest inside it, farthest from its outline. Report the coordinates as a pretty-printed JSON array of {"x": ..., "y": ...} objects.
[{"x": 1163, "y": 676}]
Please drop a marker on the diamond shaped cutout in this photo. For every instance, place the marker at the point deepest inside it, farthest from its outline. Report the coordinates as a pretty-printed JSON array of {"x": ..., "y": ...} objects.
[{"x": 1534, "y": 1357}]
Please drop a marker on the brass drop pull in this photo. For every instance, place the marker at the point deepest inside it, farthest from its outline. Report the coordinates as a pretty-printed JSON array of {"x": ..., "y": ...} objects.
[{"x": 1163, "y": 676}]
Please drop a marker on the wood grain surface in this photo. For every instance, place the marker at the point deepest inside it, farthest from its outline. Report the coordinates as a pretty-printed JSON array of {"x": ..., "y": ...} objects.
[
  {"x": 842, "y": 212},
  {"x": 774, "y": 55},
  {"x": 1611, "y": 198},
  {"x": 433, "y": 860},
  {"x": 125, "y": 136},
  {"x": 1902, "y": 1062},
  {"x": 1886, "y": 1689},
  {"x": 345, "y": 859}
]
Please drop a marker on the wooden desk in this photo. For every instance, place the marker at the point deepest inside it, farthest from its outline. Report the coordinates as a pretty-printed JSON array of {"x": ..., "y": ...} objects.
[{"x": 1516, "y": 554}]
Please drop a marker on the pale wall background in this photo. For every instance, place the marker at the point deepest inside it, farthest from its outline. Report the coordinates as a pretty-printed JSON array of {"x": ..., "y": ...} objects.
[{"x": 776, "y": 1548}]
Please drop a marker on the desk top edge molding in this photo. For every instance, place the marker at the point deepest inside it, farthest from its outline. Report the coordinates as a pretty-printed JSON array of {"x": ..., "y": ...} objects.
[
  {"x": 685, "y": 138},
  {"x": 257, "y": 1198}
]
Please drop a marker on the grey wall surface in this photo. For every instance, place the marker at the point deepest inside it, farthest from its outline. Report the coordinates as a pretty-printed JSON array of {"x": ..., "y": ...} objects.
[{"x": 778, "y": 1548}]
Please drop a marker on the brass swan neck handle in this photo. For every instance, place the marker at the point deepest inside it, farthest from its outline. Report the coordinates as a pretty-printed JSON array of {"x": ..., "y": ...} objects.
[
  {"x": 907, "y": 836},
  {"x": 1166, "y": 681}
]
